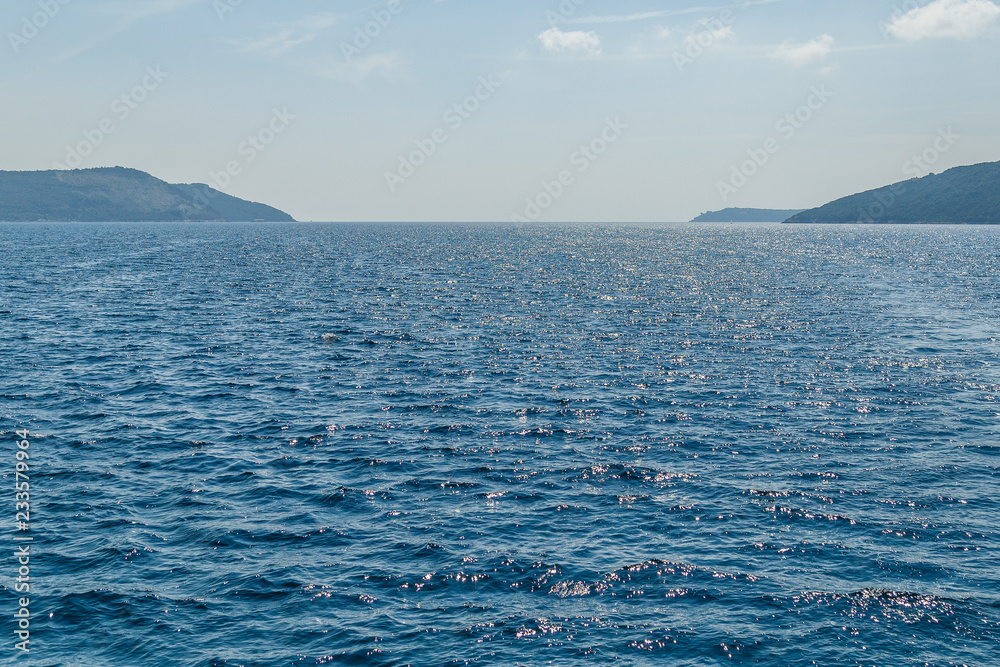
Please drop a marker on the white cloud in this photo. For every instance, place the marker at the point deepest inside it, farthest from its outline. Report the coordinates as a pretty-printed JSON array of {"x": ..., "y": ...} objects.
[
  {"x": 579, "y": 42},
  {"x": 359, "y": 69},
  {"x": 800, "y": 55},
  {"x": 707, "y": 37},
  {"x": 662, "y": 13},
  {"x": 623, "y": 18},
  {"x": 283, "y": 39},
  {"x": 654, "y": 41},
  {"x": 286, "y": 36},
  {"x": 658, "y": 41},
  {"x": 273, "y": 46},
  {"x": 712, "y": 36},
  {"x": 661, "y": 32},
  {"x": 957, "y": 19}
]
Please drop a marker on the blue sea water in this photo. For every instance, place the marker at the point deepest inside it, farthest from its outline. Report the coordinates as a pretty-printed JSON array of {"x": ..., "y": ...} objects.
[{"x": 270, "y": 445}]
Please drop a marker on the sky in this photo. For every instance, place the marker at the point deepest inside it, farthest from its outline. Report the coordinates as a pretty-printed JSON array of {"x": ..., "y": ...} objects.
[{"x": 469, "y": 110}]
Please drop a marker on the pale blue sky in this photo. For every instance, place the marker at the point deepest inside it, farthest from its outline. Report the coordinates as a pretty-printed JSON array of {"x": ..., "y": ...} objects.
[{"x": 680, "y": 91}]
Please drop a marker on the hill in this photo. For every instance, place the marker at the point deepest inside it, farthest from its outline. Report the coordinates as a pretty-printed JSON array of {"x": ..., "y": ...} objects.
[
  {"x": 117, "y": 194},
  {"x": 963, "y": 195},
  {"x": 747, "y": 215}
]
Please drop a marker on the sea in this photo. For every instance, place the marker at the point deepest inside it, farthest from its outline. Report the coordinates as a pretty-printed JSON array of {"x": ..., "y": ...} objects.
[{"x": 257, "y": 445}]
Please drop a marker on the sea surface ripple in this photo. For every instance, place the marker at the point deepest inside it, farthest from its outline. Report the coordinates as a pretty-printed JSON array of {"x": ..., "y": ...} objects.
[{"x": 266, "y": 445}]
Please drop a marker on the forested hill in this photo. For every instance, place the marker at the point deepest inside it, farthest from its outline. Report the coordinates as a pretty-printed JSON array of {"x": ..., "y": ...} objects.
[
  {"x": 116, "y": 194},
  {"x": 747, "y": 215},
  {"x": 963, "y": 195}
]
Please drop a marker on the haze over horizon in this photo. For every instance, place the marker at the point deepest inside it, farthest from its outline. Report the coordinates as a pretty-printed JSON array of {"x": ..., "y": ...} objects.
[{"x": 598, "y": 110}]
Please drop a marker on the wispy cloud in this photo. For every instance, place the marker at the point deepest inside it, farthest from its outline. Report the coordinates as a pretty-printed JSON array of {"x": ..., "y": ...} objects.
[
  {"x": 665, "y": 13},
  {"x": 284, "y": 37},
  {"x": 800, "y": 55},
  {"x": 124, "y": 15},
  {"x": 555, "y": 40},
  {"x": 657, "y": 40},
  {"x": 282, "y": 41},
  {"x": 714, "y": 36},
  {"x": 624, "y": 18},
  {"x": 955, "y": 19},
  {"x": 337, "y": 69},
  {"x": 134, "y": 10}
]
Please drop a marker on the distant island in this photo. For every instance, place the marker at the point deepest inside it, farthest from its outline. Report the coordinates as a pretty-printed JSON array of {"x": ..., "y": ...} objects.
[
  {"x": 117, "y": 194},
  {"x": 748, "y": 215},
  {"x": 961, "y": 196}
]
